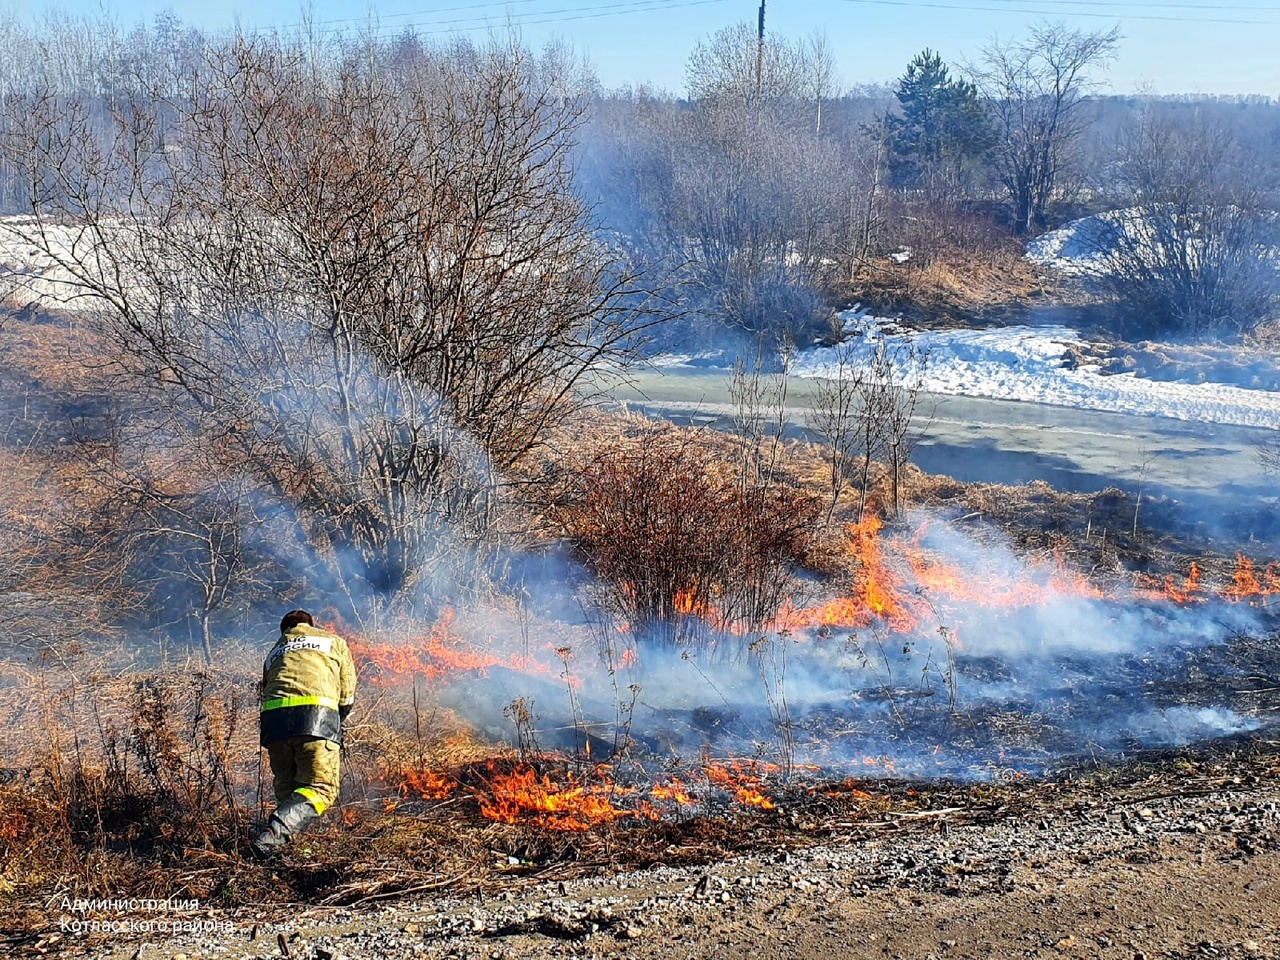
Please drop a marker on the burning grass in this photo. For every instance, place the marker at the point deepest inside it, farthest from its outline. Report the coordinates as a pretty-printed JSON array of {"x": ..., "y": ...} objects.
[
  {"x": 134, "y": 781},
  {"x": 494, "y": 745},
  {"x": 429, "y": 805}
]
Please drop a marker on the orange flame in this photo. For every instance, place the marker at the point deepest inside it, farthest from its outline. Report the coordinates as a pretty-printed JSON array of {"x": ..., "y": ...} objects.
[
  {"x": 436, "y": 657},
  {"x": 688, "y": 603},
  {"x": 673, "y": 792},
  {"x": 888, "y": 764},
  {"x": 742, "y": 781},
  {"x": 1191, "y": 590},
  {"x": 1246, "y": 586},
  {"x": 13, "y": 826},
  {"x": 427, "y": 784},
  {"x": 524, "y": 796},
  {"x": 876, "y": 590}
]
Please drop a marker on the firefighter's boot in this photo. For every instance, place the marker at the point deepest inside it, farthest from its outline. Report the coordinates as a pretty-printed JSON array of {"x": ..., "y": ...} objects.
[{"x": 289, "y": 819}]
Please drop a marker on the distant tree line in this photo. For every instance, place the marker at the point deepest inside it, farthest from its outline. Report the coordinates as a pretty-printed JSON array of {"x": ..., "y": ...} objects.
[
  {"x": 769, "y": 185},
  {"x": 775, "y": 190}
]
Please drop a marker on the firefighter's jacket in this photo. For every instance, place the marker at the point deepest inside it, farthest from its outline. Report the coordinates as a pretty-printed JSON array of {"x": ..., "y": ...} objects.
[{"x": 308, "y": 685}]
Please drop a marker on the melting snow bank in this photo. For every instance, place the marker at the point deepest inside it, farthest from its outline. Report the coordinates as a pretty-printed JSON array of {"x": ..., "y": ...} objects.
[{"x": 1029, "y": 363}]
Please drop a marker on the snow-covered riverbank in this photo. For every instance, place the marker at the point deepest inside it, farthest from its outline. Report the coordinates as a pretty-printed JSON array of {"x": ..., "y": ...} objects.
[{"x": 1030, "y": 364}]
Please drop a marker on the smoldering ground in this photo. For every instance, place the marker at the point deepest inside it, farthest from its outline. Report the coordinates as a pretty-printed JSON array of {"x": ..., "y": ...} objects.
[{"x": 985, "y": 660}]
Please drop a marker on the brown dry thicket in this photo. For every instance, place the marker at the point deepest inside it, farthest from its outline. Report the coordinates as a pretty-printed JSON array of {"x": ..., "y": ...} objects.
[
  {"x": 662, "y": 518},
  {"x": 116, "y": 776},
  {"x": 954, "y": 282},
  {"x": 151, "y": 781}
]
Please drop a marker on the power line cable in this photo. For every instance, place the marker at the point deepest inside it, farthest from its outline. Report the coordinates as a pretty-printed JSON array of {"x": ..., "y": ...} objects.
[
  {"x": 488, "y": 21},
  {"x": 1157, "y": 6},
  {"x": 967, "y": 8},
  {"x": 413, "y": 13}
]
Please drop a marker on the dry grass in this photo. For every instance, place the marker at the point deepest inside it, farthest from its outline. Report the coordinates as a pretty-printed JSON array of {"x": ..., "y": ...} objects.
[
  {"x": 1094, "y": 532},
  {"x": 122, "y": 777},
  {"x": 957, "y": 287}
]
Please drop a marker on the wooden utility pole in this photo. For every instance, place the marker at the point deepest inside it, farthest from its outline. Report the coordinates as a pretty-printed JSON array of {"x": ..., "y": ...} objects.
[{"x": 760, "y": 54}]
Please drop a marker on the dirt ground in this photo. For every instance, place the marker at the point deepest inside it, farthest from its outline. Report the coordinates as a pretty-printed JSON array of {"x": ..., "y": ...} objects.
[{"x": 1184, "y": 863}]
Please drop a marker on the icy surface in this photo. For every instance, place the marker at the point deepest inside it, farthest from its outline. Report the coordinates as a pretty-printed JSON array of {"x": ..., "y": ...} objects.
[
  {"x": 1009, "y": 363},
  {"x": 1027, "y": 363}
]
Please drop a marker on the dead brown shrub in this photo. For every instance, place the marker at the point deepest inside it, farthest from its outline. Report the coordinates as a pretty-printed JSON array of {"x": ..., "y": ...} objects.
[
  {"x": 672, "y": 529},
  {"x": 139, "y": 774}
]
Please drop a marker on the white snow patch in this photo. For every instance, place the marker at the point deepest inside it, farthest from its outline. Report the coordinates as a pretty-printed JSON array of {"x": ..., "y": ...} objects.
[
  {"x": 1079, "y": 248},
  {"x": 1027, "y": 363}
]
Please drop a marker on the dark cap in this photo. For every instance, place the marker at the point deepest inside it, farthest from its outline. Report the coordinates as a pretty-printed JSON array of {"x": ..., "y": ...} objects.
[{"x": 295, "y": 617}]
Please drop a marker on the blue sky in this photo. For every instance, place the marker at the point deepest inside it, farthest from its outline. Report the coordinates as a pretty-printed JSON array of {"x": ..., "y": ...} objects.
[{"x": 1179, "y": 46}]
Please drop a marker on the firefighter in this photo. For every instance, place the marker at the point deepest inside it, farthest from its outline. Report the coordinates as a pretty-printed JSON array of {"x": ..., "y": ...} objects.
[{"x": 308, "y": 686}]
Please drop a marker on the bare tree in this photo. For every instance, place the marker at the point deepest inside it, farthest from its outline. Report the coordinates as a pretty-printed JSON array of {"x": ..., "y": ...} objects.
[
  {"x": 748, "y": 204},
  {"x": 865, "y": 412},
  {"x": 1193, "y": 246},
  {"x": 1034, "y": 89},
  {"x": 182, "y": 531},
  {"x": 820, "y": 73},
  {"x": 835, "y": 417},
  {"x": 724, "y": 67},
  {"x": 760, "y": 413},
  {"x": 906, "y": 362},
  {"x": 866, "y": 198},
  {"x": 377, "y": 288}
]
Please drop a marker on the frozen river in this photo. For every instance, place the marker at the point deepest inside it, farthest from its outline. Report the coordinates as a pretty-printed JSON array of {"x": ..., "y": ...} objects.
[{"x": 1015, "y": 441}]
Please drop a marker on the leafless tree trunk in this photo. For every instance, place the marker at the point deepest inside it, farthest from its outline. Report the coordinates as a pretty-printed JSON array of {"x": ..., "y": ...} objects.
[
  {"x": 1035, "y": 88},
  {"x": 868, "y": 221},
  {"x": 820, "y": 70},
  {"x": 867, "y": 412},
  {"x": 908, "y": 364},
  {"x": 759, "y": 401}
]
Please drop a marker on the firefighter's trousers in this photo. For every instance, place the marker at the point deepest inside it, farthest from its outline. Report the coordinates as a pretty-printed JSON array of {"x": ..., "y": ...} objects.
[{"x": 307, "y": 767}]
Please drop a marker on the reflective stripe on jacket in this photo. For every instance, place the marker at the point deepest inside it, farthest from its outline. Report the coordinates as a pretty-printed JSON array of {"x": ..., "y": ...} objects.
[{"x": 307, "y": 680}]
